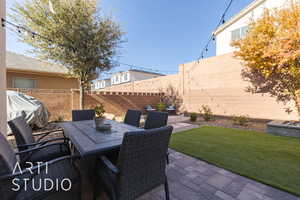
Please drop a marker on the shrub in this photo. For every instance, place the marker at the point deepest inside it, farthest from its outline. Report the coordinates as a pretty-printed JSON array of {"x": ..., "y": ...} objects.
[
  {"x": 59, "y": 118},
  {"x": 206, "y": 113},
  {"x": 241, "y": 120},
  {"x": 193, "y": 117},
  {"x": 161, "y": 106},
  {"x": 99, "y": 111}
]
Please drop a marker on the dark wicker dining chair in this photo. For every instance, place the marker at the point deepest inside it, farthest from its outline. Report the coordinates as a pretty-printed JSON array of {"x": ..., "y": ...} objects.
[
  {"x": 156, "y": 119},
  {"x": 58, "y": 169},
  {"x": 80, "y": 115},
  {"x": 26, "y": 140},
  {"x": 141, "y": 165},
  {"x": 133, "y": 117}
]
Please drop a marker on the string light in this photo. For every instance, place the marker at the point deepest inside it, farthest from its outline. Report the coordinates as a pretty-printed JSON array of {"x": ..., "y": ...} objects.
[
  {"x": 212, "y": 37},
  {"x": 3, "y": 22},
  {"x": 50, "y": 42}
]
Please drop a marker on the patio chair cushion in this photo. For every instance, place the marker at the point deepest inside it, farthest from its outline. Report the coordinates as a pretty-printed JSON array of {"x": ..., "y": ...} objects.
[
  {"x": 56, "y": 172},
  {"x": 22, "y": 131},
  {"x": 80, "y": 115},
  {"x": 8, "y": 159},
  {"x": 171, "y": 108},
  {"x": 156, "y": 120},
  {"x": 133, "y": 117}
]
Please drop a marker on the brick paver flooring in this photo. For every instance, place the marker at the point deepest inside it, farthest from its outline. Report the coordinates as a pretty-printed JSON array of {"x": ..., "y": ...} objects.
[{"x": 192, "y": 179}]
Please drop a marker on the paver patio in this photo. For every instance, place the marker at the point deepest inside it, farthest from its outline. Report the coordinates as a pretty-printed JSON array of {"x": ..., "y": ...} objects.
[{"x": 192, "y": 179}]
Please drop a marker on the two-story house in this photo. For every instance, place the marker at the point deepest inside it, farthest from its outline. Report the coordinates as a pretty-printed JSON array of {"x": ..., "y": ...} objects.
[
  {"x": 125, "y": 77},
  {"x": 236, "y": 28},
  {"x": 100, "y": 84}
]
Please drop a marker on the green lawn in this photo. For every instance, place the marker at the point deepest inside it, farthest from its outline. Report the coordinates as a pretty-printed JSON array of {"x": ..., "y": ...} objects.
[{"x": 273, "y": 160}]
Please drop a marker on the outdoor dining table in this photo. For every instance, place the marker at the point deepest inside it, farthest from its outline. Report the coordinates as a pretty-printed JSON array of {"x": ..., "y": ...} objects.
[{"x": 90, "y": 141}]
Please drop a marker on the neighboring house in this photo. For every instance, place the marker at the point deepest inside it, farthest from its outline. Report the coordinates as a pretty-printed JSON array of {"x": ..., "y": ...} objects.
[
  {"x": 27, "y": 72},
  {"x": 125, "y": 77},
  {"x": 236, "y": 28},
  {"x": 132, "y": 75},
  {"x": 100, "y": 84}
]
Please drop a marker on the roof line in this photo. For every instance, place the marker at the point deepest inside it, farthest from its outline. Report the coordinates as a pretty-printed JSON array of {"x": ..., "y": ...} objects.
[
  {"x": 17, "y": 70},
  {"x": 238, "y": 16}
]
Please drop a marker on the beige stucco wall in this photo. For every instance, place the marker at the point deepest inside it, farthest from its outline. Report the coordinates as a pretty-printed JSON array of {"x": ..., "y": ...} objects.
[
  {"x": 2, "y": 72},
  {"x": 44, "y": 81}
]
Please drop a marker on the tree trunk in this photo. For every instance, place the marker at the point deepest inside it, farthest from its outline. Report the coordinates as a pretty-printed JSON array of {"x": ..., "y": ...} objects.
[
  {"x": 298, "y": 106},
  {"x": 296, "y": 98},
  {"x": 81, "y": 95}
]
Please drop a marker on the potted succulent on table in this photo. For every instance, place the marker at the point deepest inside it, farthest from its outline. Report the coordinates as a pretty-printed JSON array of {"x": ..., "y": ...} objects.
[{"x": 99, "y": 115}]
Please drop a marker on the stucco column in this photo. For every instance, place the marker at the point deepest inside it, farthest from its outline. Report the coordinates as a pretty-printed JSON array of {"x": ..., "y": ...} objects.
[{"x": 3, "y": 114}]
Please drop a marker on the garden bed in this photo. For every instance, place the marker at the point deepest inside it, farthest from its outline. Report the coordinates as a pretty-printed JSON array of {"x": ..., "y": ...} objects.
[
  {"x": 227, "y": 122},
  {"x": 284, "y": 128}
]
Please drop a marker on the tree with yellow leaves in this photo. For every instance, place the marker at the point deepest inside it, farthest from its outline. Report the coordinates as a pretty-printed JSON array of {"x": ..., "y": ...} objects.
[{"x": 271, "y": 54}]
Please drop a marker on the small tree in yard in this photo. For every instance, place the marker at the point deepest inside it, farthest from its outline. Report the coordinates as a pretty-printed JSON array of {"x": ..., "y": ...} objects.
[
  {"x": 271, "y": 54},
  {"x": 71, "y": 33}
]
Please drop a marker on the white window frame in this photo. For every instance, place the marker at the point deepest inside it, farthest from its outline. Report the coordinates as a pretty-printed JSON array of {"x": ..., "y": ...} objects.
[{"x": 240, "y": 30}]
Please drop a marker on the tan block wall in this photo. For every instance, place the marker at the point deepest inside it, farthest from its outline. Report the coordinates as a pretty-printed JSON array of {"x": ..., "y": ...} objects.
[
  {"x": 148, "y": 85},
  {"x": 62, "y": 102},
  {"x": 44, "y": 81},
  {"x": 216, "y": 82}
]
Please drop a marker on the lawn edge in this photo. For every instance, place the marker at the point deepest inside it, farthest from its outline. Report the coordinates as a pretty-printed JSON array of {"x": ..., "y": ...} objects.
[
  {"x": 238, "y": 173},
  {"x": 246, "y": 176}
]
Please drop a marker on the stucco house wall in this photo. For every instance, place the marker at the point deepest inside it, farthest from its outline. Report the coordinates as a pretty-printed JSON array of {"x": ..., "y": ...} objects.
[
  {"x": 44, "y": 81},
  {"x": 137, "y": 76},
  {"x": 45, "y": 75},
  {"x": 242, "y": 19}
]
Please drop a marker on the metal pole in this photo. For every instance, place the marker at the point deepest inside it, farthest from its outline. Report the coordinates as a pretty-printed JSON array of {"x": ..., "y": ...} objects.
[{"x": 3, "y": 115}]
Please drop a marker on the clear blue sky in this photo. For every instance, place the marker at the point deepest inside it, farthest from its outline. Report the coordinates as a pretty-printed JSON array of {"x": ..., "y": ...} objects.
[{"x": 160, "y": 33}]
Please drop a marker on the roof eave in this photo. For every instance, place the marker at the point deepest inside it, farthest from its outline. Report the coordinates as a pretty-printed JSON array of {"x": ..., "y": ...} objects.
[
  {"x": 241, "y": 14},
  {"x": 35, "y": 71}
]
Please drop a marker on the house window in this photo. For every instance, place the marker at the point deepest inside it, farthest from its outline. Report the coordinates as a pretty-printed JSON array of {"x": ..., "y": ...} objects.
[
  {"x": 113, "y": 80},
  {"x": 127, "y": 77},
  {"x": 23, "y": 83},
  {"x": 239, "y": 33},
  {"x": 103, "y": 84}
]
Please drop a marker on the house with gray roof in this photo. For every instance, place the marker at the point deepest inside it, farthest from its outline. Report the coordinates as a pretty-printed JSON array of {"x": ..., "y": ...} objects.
[{"x": 27, "y": 72}]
